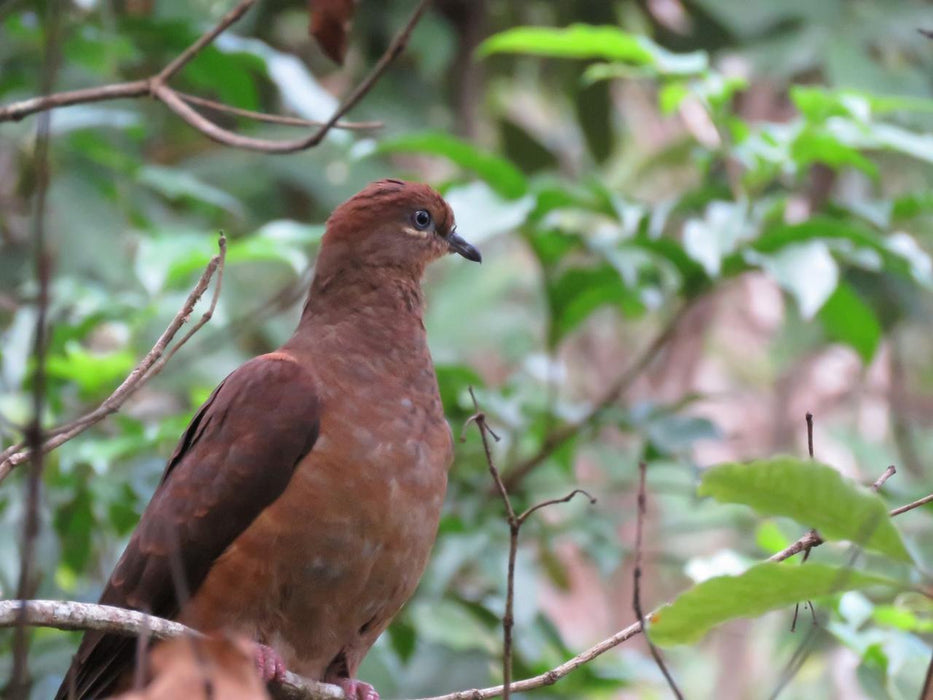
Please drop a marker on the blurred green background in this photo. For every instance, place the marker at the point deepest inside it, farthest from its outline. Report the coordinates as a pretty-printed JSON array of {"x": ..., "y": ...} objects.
[{"x": 764, "y": 165}]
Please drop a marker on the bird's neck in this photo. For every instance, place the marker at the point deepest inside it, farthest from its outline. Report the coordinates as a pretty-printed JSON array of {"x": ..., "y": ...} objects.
[{"x": 370, "y": 312}]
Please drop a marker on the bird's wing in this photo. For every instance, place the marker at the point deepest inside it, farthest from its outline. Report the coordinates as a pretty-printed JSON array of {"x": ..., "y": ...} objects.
[{"x": 234, "y": 460}]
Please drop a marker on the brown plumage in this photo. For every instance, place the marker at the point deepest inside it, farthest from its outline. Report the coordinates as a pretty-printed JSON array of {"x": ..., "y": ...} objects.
[{"x": 302, "y": 502}]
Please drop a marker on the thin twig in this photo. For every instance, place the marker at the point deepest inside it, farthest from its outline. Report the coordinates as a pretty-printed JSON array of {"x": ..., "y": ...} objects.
[
  {"x": 879, "y": 482},
  {"x": 28, "y": 576},
  {"x": 636, "y": 594},
  {"x": 616, "y": 390},
  {"x": 66, "y": 615},
  {"x": 554, "y": 501},
  {"x": 515, "y": 523},
  {"x": 549, "y": 677},
  {"x": 148, "y": 367},
  {"x": 206, "y": 38},
  {"x": 910, "y": 506},
  {"x": 273, "y": 118}
]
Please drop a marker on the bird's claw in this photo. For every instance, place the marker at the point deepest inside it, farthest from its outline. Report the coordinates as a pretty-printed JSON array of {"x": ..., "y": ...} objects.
[
  {"x": 358, "y": 690},
  {"x": 270, "y": 665}
]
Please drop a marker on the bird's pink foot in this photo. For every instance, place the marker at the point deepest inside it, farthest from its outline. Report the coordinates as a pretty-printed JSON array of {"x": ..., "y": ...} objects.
[
  {"x": 357, "y": 690},
  {"x": 270, "y": 665}
]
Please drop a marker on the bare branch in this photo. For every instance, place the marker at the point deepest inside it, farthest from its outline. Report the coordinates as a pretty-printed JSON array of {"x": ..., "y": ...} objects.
[
  {"x": 879, "y": 482},
  {"x": 636, "y": 575},
  {"x": 66, "y": 615},
  {"x": 185, "y": 57},
  {"x": 18, "y": 110},
  {"x": 549, "y": 677},
  {"x": 150, "y": 366},
  {"x": 554, "y": 501},
  {"x": 910, "y": 506}
]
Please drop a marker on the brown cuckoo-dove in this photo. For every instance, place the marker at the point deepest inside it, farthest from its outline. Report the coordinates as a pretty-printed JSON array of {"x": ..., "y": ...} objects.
[{"x": 301, "y": 503}]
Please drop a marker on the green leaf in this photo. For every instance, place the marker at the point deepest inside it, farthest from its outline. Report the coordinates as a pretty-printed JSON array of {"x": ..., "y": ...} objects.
[
  {"x": 92, "y": 372},
  {"x": 575, "y": 41},
  {"x": 498, "y": 173},
  {"x": 813, "y": 494},
  {"x": 588, "y": 41},
  {"x": 579, "y": 291},
  {"x": 814, "y": 145},
  {"x": 848, "y": 319},
  {"x": 74, "y": 522},
  {"x": 765, "y": 587}
]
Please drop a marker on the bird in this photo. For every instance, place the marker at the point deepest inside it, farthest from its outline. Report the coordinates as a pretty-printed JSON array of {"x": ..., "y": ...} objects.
[{"x": 300, "y": 505}]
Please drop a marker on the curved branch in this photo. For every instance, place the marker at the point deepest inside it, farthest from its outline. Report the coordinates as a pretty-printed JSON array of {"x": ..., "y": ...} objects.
[
  {"x": 66, "y": 615},
  {"x": 549, "y": 677}
]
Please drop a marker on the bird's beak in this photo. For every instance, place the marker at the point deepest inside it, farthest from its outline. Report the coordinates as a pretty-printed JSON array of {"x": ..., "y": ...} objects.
[{"x": 460, "y": 246}]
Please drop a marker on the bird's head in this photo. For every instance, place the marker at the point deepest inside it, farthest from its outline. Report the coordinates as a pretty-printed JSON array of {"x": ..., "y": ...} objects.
[{"x": 392, "y": 224}]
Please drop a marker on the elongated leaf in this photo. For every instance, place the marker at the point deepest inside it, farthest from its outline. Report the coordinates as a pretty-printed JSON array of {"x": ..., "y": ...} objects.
[
  {"x": 575, "y": 41},
  {"x": 813, "y": 494},
  {"x": 498, "y": 173},
  {"x": 765, "y": 587},
  {"x": 591, "y": 41}
]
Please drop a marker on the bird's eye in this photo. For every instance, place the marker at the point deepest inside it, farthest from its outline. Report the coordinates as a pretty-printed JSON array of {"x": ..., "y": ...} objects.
[{"x": 421, "y": 219}]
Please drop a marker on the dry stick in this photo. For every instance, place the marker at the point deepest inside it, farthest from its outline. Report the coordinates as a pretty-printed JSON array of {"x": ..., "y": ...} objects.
[
  {"x": 150, "y": 366},
  {"x": 226, "y": 137},
  {"x": 88, "y": 616},
  {"x": 560, "y": 436},
  {"x": 28, "y": 579},
  {"x": 515, "y": 523},
  {"x": 273, "y": 118},
  {"x": 636, "y": 594}
]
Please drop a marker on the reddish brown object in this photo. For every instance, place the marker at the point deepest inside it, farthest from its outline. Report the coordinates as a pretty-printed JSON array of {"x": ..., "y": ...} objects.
[
  {"x": 202, "y": 669},
  {"x": 301, "y": 503},
  {"x": 330, "y": 25}
]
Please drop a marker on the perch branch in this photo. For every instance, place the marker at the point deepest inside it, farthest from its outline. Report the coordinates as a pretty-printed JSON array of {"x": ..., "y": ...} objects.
[
  {"x": 150, "y": 366},
  {"x": 65, "y": 615}
]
